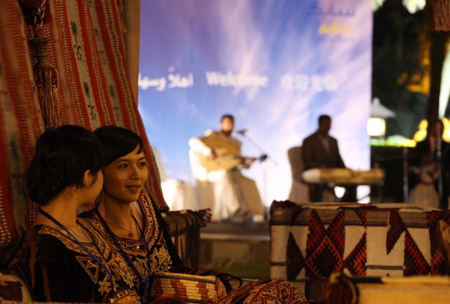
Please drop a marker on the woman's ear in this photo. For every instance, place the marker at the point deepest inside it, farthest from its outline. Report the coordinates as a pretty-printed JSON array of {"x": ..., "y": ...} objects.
[{"x": 88, "y": 178}]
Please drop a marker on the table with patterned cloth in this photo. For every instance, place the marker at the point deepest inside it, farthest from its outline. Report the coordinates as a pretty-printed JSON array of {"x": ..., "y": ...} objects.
[{"x": 311, "y": 241}]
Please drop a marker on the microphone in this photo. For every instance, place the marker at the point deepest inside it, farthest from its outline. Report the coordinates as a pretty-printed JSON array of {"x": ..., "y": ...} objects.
[{"x": 241, "y": 132}]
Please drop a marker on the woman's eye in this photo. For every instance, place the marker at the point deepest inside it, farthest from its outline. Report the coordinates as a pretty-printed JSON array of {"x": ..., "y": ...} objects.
[
  {"x": 123, "y": 166},
  {"x": 143, "y": 164}
]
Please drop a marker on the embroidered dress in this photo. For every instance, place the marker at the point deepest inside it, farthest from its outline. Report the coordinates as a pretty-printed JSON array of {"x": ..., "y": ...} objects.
[
  {"x": 57, "y": 269},
  {"x": 162, "y": 257},
  {"x": 146, "y": 261}
]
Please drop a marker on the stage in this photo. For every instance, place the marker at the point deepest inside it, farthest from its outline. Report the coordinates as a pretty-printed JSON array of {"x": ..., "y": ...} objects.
[{"x": 241, "y": 249}]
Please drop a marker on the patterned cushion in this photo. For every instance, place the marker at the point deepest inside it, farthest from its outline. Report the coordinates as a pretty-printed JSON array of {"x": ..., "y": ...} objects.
[
  {"x": 12, "y": 288},
  {"x": 311, "y": 241}
]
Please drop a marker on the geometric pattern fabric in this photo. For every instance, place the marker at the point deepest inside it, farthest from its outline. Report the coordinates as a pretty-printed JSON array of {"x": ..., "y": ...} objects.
[
  {"x": 325, "y": 246},
  {"x": 396, "y": 228},
  {"x": 294, "y": 259},
  {"x": 415, "y": 262},
  {"x": 355, "y": 262},
  {"x": 312, "y": 243}
]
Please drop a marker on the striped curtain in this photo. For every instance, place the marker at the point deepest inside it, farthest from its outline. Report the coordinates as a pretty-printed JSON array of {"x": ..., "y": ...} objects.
[
  {"x": 86, "y": 46},
  {"x": 20, "y": 123}
]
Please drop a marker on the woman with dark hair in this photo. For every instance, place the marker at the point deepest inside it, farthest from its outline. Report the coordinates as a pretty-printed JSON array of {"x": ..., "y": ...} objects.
[
  {"x": 129, "y": 218},
  {"x": 62, "y": 258},
  {"x": 134, "y": 225}
]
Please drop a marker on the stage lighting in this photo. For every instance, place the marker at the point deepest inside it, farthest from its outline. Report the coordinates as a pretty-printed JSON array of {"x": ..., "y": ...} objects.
[{"x": 376, "y": 126}]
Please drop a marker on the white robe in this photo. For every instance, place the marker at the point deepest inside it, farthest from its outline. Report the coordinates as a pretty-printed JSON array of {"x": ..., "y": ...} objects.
[{"x": 226, "y": 192}]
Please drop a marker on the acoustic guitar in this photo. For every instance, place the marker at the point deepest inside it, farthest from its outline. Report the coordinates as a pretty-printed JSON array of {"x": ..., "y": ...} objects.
[{"x": 227, "y": 157}]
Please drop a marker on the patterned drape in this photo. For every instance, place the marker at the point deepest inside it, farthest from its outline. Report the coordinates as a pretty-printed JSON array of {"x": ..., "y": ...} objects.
[
  {"x": 88, "y": 51},
  {"x": 87, "y": 48},
  {"x": 20, "y": 121}
]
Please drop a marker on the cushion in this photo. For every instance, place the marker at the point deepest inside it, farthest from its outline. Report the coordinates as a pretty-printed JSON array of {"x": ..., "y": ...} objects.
[
  {"x": 311, "y": 241},
  {"x": 12, "y": 288}
]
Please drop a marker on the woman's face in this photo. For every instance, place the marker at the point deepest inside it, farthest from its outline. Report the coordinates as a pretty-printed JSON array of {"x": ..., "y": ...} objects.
[{"x": 125, "y": 177}]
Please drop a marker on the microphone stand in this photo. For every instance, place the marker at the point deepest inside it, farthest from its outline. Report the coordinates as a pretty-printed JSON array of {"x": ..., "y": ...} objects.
[
  {"x": 405, "y": 180},
  {"x": 242, "y": 133},
  {"x": 262, "y": 160},
  {"x": 438, "y": 162}
]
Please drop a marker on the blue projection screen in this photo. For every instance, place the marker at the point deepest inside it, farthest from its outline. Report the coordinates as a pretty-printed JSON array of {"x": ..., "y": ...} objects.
[{"x": 275, "y": 64}]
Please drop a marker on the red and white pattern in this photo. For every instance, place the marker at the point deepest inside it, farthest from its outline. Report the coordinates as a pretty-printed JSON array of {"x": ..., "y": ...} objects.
[
  {"x": 265, "y": 292},
  {"x": 360, "y": 240},
  {"x": 20, "y": 121},
  {"x": 325, "y": 246},
  {"x": 186, "y": 287},
  {"x": 86, "y": 46},
  {"x": 275, "y": 292}
]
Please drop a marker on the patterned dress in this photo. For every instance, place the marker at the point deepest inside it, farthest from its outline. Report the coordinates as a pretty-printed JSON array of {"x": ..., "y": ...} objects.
[
  {"x": 156, "y": 257},
  {"x": 56, "y": 269},
  {"x": 161, "y": 256}
]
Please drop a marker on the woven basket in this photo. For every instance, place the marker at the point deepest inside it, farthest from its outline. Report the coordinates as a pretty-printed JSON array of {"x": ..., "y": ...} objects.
[{"x": 186, "y": 287}]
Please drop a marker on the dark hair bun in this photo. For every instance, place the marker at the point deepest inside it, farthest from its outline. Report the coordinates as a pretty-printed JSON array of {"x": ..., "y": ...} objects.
[
  {"x": 42, "y": 184},
  {"x": 62, "y": 157}
]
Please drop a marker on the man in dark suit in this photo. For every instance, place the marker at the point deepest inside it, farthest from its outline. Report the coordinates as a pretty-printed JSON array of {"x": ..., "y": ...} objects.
[{"x": 320, "y": 150}]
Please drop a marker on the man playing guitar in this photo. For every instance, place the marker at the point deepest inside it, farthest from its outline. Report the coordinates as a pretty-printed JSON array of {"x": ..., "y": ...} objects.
[{"x": 216, "y": 162}]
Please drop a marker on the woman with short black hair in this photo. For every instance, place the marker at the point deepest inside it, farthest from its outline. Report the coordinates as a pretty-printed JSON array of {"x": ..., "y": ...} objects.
[
  {"x": 132, "y": 222},
  {"x": 63, "y": 258}
]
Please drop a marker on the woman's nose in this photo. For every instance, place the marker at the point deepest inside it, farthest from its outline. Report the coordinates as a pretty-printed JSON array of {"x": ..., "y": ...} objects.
[{"x": 138, "y": 172}]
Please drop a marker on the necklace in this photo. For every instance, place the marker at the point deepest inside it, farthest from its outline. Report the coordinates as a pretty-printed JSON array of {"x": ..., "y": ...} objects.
[
  {"x": 130, "y": 231},
  {"x": 148, "y": 280}
]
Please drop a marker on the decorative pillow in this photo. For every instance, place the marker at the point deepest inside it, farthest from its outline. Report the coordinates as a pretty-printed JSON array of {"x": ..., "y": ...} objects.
[{"x": 12, "y": 288}]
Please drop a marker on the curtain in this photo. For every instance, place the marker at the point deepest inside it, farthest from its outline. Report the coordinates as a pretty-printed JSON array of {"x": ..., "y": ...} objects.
[
  {"x": 87, "y": 48},
  {"x": 20, "y": 123}
]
